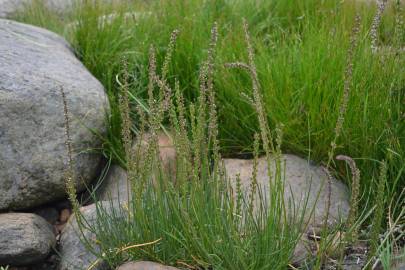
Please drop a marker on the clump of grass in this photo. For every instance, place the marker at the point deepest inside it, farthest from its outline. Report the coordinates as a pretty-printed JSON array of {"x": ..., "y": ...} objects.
[{"x": 191, "y": 219}]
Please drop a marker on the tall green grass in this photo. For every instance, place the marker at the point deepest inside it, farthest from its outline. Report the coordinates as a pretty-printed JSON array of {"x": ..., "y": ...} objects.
[{"x": 301, "y": 56}]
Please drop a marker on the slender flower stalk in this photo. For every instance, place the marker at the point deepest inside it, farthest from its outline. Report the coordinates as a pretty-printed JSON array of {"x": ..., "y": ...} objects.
[
  {"x": 169, "y": 53},
  {"x": 328, "y": 199},
  {"x": 250, "y": 67},
  {"x": 239, "y": 195},
  {"x": 354, "y": 200},
  {"x": 347, "y": 88},
  {"x": 206, "y": 104},
  {"x": 266, "y": 137},
  {"x": 253, "y": 183},
  {"x": 348, "y": 78},
  {"x": 399, "y": 28},
  {"x": 165, "y": 70},
  {"x": 70, "y": 174},
  {"x": 152, "y": 74},
  {"x": 212, "y": 118},
  {"x": 376, "y": 24},
  {"x": 126, "y": 127},
  {"x": 125, "y": 114},
  {"x": 257, "y": 95}
]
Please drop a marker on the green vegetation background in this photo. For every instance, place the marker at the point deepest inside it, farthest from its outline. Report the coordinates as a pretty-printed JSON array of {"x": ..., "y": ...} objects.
[{"x": 301, "y": 49}]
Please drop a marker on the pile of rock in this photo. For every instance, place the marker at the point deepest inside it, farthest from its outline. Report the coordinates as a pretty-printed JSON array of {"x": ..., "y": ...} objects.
[{"x": 35, "y": 65}]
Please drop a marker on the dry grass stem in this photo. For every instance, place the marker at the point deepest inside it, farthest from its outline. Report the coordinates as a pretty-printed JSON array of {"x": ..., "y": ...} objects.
[
  {"x": 354, "y": 199},
  {"x": 253, "y": 183},
  {"x": 347, "y": 88}
]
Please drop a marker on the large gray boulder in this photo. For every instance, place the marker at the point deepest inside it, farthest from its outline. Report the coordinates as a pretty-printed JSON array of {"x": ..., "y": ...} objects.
[
  {"x": 35, "y": 65},
  {"x": 25, "y": 239},
  {"x": 306, "y": 187}
]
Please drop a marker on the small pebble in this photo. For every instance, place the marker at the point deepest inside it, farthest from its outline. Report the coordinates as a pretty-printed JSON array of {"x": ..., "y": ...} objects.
[{"x": 64, "y": 215}]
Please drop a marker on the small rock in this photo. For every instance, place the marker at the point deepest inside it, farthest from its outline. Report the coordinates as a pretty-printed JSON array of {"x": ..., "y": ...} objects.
[
  {"x": 64, "y": 215},
  {"x": 398, "y": 263},
  {"x": 145, "y": 266},
  {"x": 302, "y": 251},
  {"x": 59, "y": 227},
  {"x": 114, "y": 185},
  {"x": 74, "y": 254},
  {"x": 167, "y": 152},
  {"x": 25, "y": 239}
]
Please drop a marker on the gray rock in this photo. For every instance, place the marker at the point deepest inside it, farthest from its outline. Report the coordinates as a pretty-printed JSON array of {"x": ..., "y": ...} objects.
[
  {"x": 145, "y": 266},
  {"x": 25, "y": 239},
  {"x": 306, "y": 186},
  {"x": 398, "y": 263},
  {"x": 301, "y": 251},
  {"x": 305, "y": 189},
  {"x": 400, "y": 266},
  {"x": 75, "y": 255},
  {"x": 35, "y": 64},
  {"x": 114, "y": 185},
  {"x": 9, "y": 7},
  {"x": 167, "y": 151}
]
